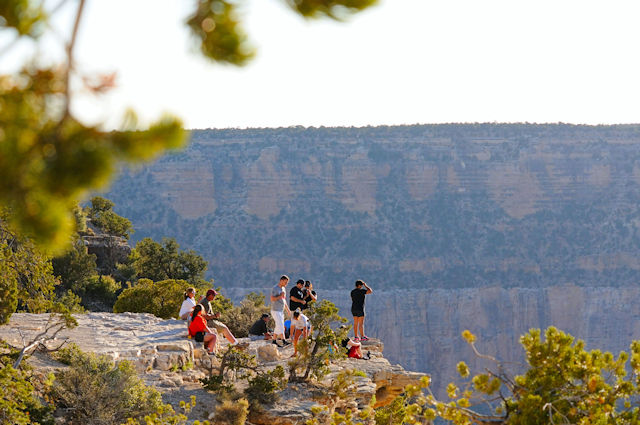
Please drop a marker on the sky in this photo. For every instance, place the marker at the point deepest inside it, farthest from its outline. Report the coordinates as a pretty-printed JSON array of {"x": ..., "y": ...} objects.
[{"x": 400, "y": 62}]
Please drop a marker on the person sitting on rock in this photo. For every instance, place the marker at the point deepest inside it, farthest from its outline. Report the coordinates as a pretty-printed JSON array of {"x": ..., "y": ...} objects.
[
  {"x": 188, "y": 304},
  {"x": 211, "y": 317},
  {"x": 199, "y": 330},
  {"x": 354, "y": 349},
  {"x": 300, "y": 326},
  {"x": 259, "y": 329}
]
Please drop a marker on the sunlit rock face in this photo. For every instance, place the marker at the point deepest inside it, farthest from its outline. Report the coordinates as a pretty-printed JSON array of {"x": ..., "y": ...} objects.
[{"x": 461, "y": 226}]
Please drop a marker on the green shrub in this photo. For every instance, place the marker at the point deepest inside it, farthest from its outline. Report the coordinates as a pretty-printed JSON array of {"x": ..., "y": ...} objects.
[
  {"x": 102, "y": 287},
  {"x": 95, "y": 390},
  {"x": 263, "y": 386},
  {"x": 232, "y": 412},
  {"x": 155, "y": 261},
  {"x": 162, "y": 299},
  {"x": 240, "y": 318},
  {"x": 68, "y": 354},
  {"x": 19, "y": 404},
  {"x": 74, "y": 267}
]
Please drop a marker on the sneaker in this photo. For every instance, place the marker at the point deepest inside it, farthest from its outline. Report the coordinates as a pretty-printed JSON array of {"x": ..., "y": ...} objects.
[
  {"x": 242, "y": 345},
  {"x": 285, "y": 343},
  {"x": 356, "y": 339},
  {"x": 364, "y": 338}
]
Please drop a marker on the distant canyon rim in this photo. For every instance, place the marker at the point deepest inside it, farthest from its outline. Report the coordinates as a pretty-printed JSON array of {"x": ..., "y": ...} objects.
[{"x": 495, "y": 228}]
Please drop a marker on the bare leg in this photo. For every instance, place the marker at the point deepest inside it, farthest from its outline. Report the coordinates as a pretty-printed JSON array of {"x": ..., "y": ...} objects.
[
  {"x": 296, "y": 336},
  {"x": 227, "y": 334},
  {"x": 210, "y": 342},
  {"x": 355, "y": 326},
  {"x": 358, "y": 325},
  {"x": 362, "y": 327}
]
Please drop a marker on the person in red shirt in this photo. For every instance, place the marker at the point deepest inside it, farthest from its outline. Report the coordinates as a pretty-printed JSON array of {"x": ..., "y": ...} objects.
[{"x": 199, "y": 330}]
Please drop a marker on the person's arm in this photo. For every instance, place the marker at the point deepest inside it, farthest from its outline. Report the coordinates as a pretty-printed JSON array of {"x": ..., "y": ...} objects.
[
  {"x": 298, "y": 300},
  {"x": 369, "y": 290},
  {"x": 313, "y": 296},
  {"x": 294, "y": 298}
]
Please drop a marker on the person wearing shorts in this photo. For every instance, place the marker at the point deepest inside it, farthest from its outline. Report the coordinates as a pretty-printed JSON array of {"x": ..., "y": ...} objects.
[
  {"x": 199, "y": 330},
  {"x": 211, "y": 317},
  {"x": 278, "y": 307},
  {"x": 300, "y": 327},
  {"x": 357, "y": 309}
]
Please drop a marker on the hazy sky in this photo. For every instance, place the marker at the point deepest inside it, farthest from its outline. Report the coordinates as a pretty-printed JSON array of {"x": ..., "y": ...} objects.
[{"x": 404, "y": 61}]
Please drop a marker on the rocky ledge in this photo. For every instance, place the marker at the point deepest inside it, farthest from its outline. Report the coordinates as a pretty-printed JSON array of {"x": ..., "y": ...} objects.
[{"x": 167, "y": 359}]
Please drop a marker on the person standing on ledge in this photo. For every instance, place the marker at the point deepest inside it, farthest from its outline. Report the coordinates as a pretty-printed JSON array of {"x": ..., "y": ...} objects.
[
  {"x": 296, "y": 296},
  {"x": 278, "y": 306},
  {"x": 357, "y": 309},
  {"x": 309, "y": 294}
]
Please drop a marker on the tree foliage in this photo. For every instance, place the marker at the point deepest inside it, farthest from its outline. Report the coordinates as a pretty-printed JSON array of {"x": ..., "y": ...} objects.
[
  {"x": 26, "y": 276},
  {"x": 74, "y": 268},
  {"x": 102, "y": 215},
  {"x": 163, "y": 299},
  {"x": 157, "y": 262},
  {"x": 316, "y": 351},
  {"x": 234, "y": 364},
  {"x": 97, "y": 391},
  {"x": 18, "y": 403},
  {"x": 48, "y": 158},
  {"x": 563, "y": 383}
]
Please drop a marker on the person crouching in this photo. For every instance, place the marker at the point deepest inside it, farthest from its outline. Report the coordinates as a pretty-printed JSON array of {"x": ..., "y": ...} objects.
[{"x": 300, "y": 326}]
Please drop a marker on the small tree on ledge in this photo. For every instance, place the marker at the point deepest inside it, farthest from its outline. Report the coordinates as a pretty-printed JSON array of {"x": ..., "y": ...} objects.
[{"x": 316, "y": 351}]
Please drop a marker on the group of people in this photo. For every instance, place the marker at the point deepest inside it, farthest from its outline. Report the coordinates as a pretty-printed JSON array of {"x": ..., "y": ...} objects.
[
  {"x": 300, "y": 298},
  {"x": 205, "y": 327}
]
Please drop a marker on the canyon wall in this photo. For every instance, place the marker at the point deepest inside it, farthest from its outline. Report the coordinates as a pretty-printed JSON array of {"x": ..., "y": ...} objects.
[
  {"x": 492, "y": 227},
  {"x": 416, "y": 206},
  {"x": 421, "y": 328}
]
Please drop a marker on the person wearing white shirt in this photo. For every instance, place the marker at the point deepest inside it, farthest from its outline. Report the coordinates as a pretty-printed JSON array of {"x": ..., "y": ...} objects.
[
  {"x": 188, "y": 304},
  {"x": 300, "y": 326}
]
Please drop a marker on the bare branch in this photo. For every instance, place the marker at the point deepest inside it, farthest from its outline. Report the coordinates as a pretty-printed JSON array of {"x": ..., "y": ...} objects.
[
  {"x": 70, "y": 46},
  {"x": 42, "y": 337}
]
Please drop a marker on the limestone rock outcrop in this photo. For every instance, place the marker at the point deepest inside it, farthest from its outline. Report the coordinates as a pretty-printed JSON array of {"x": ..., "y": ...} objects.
[{"x": 167, "y": 359}]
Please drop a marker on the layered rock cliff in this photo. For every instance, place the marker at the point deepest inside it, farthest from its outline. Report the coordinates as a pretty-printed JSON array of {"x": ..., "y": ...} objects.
[
  {"x": 491, "y": 227},
  {"x": 416, "y": 206}
]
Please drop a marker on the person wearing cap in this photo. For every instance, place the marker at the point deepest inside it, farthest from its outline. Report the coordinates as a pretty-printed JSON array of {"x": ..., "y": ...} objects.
[
  {"x": 357, "y": 309},
  {"x": 259, "y": 329},
  {"x": 278, "y": 307},
  {"x": 211, "y": 317},
  {"x": 296, "y": 296}
]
